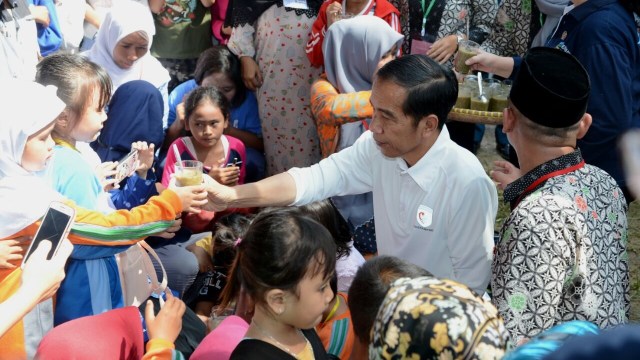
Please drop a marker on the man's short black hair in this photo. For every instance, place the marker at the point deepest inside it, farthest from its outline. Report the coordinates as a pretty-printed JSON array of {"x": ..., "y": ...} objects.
[{"x": 431, "y": 88}]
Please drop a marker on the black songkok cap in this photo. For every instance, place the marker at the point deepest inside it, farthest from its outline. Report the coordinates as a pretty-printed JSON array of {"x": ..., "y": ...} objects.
[{"x": 551, "y": 88}]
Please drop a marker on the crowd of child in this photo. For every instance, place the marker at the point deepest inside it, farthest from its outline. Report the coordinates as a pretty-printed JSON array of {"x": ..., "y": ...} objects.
[{"x": 307, "y": 118}]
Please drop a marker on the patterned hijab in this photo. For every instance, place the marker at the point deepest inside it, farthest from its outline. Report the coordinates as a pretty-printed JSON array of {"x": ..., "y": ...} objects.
[{"x": 430, "y": 318}]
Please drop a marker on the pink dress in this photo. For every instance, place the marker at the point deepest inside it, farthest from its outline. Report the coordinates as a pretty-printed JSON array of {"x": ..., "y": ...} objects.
[{"x": 277, "y": 42}]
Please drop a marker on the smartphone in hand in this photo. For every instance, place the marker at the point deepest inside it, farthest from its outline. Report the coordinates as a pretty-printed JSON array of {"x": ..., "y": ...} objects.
[
  {"x": 127, "y": 166},
  {"x": 235, "y": 162},
  {"x": 54, "y": 227}
]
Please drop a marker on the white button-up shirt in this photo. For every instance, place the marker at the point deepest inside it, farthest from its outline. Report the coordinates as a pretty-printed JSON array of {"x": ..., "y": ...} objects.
[{"x": 438, "y": 214}]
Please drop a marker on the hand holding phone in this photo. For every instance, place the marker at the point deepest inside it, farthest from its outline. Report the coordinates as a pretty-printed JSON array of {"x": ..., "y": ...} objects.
[
  {"x": 127, "y": 166},
  {"x": 226, "y": 174},
  {"x": 41, "y": 278},
  {"x": 235, "y": 162},
  {"x": 54, "y": 227}
]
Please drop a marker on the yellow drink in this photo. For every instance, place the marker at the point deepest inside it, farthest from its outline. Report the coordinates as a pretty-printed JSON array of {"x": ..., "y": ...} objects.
[{"x": 189, "y": 177}]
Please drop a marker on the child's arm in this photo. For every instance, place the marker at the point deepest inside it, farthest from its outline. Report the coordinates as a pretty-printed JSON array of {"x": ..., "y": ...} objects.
[
  {"x": 169, "y": 164},
  {"x": 140, "y": 186},
  {"x": 125, "y": 227},
  {"x": 135, "y": 192},
  {"x": 156, "y": 6},
  {"x": 92, "y": 17},
  {"x": 164, "y": 329},
  {"x": 329, "y": 107},
  {"x": 39, "y": 281},
  {"x": 242, "y": 45}
]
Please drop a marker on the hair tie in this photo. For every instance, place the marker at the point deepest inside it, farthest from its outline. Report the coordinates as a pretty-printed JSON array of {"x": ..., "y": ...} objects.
[{"x": 238, "y": 241}]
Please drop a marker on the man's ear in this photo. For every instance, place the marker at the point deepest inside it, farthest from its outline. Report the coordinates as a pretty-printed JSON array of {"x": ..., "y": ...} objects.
[
  {"x": 275, "y": 299},
  {"x": 508, "y": 119},
  {"x": 585, "y": 124},
  {"x": 428, "y": 124}
]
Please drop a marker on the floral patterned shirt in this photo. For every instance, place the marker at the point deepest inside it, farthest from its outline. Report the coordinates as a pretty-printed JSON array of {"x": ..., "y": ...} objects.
[{"x": 562, "y": 251}]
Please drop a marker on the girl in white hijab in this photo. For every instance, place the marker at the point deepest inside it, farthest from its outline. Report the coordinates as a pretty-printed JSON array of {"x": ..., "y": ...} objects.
[
  {"x": 17, "y": 177},
  {"x": 25, "y": 148},
  {"x": 122, "y": 48}
]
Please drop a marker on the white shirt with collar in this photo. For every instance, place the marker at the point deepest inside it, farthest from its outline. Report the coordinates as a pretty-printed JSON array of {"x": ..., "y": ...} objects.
[{"x": 438, "y": 214}]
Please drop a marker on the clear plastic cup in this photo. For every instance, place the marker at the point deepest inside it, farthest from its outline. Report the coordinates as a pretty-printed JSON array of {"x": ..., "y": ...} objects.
[
  {"x": 464, "y": 97},
  {"x": 477, "y": 102},
  {"x": 190, "y": 173},
  {"x": 466, "y": 50},
  {"x": 498, "y": 100},
  {"x": 218, "y": 314}
]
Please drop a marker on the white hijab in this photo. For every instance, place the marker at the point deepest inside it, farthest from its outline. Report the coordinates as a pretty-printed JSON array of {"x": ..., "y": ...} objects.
[
  {"x": 24, "y": 196},
  {"x": 126, "y": 18}
]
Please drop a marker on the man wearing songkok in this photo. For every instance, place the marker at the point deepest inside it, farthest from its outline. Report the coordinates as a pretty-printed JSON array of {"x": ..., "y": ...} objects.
[{"x": 562, "y": 250}]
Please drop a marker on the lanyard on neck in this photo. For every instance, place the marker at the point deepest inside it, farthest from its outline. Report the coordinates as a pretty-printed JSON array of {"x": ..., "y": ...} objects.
[{"x": 426, "y": 14}]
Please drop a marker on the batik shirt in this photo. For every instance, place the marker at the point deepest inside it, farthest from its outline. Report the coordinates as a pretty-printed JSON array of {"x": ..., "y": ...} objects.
[
  {"x": 513, "y": 30},
  {"x": 562, "y": 251}
]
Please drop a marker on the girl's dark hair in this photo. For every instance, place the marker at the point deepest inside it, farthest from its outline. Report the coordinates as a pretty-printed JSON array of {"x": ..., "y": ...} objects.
[
  {"x": 281, "y": 247},
  {"x": 219, "y": 59},
  {"x": 369, "y": 287},
  {"x": 328, "y": 215},
  {"x": 76, "y": 78},
  {"x": 228, "y": 230},
  {"x": 205, "y": 94}
]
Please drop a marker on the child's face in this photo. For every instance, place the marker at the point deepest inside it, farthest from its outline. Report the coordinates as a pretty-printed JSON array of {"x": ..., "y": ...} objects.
[
  {"x": 88, "y": 126},
  {"x": 128, "y": 50},
  {"x": 223, "y": 83},
  {"x": 305, "y": 311},
  {"x": 38, "y": 149},
  {"x": 388, "y": 56},
  {"x": 206, "y": 124}
]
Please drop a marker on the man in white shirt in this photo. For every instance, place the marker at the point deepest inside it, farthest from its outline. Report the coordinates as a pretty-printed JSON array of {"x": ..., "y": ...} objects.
[{"x": 434, "y": 205}]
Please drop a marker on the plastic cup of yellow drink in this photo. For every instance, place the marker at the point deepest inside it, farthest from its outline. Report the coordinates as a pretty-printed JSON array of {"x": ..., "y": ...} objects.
[{"x": 188, "y": 173}]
